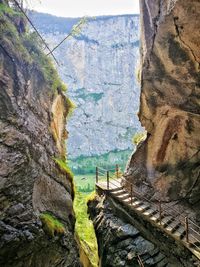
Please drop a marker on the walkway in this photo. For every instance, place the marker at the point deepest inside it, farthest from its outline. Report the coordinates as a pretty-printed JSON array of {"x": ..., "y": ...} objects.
[{"x": 160, "y": 215}]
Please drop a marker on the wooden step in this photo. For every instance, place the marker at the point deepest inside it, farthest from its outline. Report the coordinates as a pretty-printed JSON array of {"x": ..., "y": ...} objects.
[
  {"x": 137, "y": 203},
  {"x": 142, "y": 207},
  {"x": 117, "y": 188},
  {"x": 155, "y": 217},
  {"x": 172, "y": 226},
  {"x": 150, "y": 212},
  {"x": 193, "y": 243},
  {"x": 118, "y": 192},
  {"x": 180, "y": 232},
  {"x": 127, "y": 200},
  {"x": 123, "y": 196},
  {"x": 166, "y": 220}
]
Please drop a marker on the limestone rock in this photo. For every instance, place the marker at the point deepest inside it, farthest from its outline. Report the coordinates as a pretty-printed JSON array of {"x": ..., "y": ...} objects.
[
  {"x": 99, "y": 66},
  {"x": 167, "y": 164},
  {"x": 30, "y": 181}
]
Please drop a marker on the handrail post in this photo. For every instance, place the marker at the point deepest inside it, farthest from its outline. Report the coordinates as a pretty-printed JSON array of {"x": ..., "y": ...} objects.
[
  {"x": 97, "y": 175},
  {"x": 108, "y": 180},
  {"x": 160, "y": 212},
  {"x": 131, "y": 194},
  {"x": 187, "y": 229},
  {"x": 117, "y": 170}
]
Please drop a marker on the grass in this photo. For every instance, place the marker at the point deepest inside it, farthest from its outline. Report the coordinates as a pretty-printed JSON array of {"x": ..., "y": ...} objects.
[
  {"x": 51, "y": 225},
  {"x": 85, "y": 183},
  {"x": 84, "y": 228},
  {"x": 86, "y": 165}
]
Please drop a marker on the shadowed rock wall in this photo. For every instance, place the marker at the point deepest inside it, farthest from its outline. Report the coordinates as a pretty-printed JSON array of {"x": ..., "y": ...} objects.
[
  {"x": 30, "y": 181},
  {"x": 166, "y": 164}
]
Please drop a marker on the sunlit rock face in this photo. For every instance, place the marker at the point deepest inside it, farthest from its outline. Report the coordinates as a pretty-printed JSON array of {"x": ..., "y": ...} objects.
[
  {"x": 99, "y": 66},
  {"x": 166, "y": 165}
]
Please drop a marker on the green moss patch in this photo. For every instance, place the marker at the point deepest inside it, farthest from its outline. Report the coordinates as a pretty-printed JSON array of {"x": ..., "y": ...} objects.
[
  {"x": 64, "y": 168},
  {"x": 84, "y": 227},
  {"x": 51, "y": 225}
]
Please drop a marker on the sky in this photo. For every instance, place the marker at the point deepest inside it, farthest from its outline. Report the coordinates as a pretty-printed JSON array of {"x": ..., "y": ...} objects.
[{"x": 80, "y": 8}]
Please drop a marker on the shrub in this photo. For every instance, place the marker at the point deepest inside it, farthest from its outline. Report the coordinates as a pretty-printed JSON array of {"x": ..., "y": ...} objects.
[
  {"x": 70, "y": 107},
  {"x": 139, "y": 137},
  {"x": 51, "y": 225}
]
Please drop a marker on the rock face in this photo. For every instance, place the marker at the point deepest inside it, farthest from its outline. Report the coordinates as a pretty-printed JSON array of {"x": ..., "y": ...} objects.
[
  {"x": 166, "y": 164},
  {"x": 30, "y": 181},
  {"x": 120, "y": 243},
  {"x": 99, "y": 66}
]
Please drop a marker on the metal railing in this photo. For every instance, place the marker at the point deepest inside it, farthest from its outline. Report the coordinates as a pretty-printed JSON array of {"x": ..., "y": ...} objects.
[{"x": 191, "y": 229}]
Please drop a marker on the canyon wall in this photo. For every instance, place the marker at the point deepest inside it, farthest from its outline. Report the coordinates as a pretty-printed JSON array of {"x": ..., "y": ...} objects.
[
  {"x": 36, "y": 212},
  {"x": 99, "y": 66},
  {"x": 166, "y": 164}
]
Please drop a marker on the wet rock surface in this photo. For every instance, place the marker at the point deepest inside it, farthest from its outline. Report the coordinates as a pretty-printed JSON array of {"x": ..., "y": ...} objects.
[{"x": 166, "y": 165}]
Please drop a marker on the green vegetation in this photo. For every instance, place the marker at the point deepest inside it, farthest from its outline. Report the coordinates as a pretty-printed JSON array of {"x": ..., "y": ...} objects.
[
  {"x": 84, "y": 227},
  {"x": 91, "y": 196},
  {"x": 29, "y": 46},
  {"x": 64, "y": 168},
  {"x": 9, "y": 33},
  {"x": 139, "y": 137},
  {"x": 51, "y": 225},
  {"x": 86, "y": 165},
  {"x": 85, "y": 183},
  {"x": 5, "y": 9},
  {"x": 70, "y": 107},
  {"x": 34, "y": 46}
]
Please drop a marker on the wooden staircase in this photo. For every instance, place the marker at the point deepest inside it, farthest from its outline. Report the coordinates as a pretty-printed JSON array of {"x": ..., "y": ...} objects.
[{"x": 169, "y": 224}]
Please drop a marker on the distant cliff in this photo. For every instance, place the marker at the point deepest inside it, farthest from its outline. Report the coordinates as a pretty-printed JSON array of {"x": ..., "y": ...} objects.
[{"x": 99, "y": 66}]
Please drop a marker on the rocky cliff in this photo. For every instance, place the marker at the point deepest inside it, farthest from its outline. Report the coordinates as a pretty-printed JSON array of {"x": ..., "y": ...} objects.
[
  {"x": 99, "y": 66},
  {"x": 36, "y": 213},
  {"x": 166, "y": 164}
]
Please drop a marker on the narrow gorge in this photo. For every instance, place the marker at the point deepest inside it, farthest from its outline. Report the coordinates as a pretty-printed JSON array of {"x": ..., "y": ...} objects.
[{"x": 116, "y": 69}]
